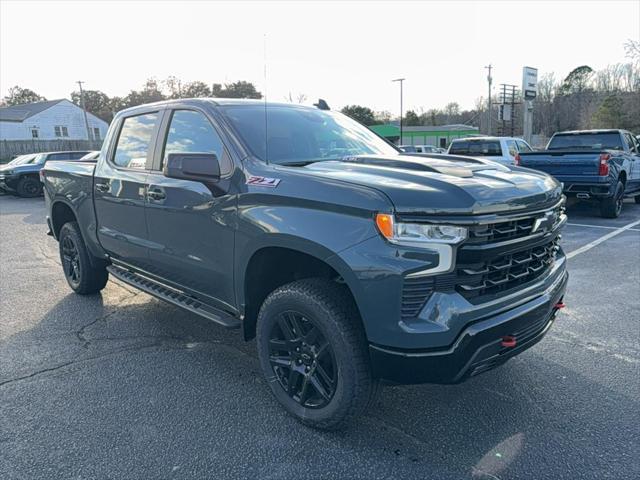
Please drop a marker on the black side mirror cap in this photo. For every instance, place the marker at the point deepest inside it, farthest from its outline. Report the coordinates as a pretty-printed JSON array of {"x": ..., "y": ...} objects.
[{"x": 200, "y": 167}]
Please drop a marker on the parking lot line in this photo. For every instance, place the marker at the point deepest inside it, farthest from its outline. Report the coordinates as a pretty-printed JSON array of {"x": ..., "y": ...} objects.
[
  {"x": 598, "y": 226},
  {"x": 604, "y": 238}
]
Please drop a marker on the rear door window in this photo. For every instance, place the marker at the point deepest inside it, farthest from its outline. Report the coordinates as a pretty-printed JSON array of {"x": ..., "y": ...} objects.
[{"x": 135, "y": 136}]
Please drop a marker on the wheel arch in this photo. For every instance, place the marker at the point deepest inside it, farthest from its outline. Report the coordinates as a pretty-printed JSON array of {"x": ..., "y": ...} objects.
[
  {"x": 271, "y": 266},
  {"x": 61, "y": 213}
]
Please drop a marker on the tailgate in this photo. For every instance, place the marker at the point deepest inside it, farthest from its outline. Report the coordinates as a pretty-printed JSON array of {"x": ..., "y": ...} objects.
[{"x": 563, "y": 163}]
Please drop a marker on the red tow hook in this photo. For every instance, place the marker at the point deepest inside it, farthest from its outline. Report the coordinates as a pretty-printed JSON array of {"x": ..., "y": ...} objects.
[
  {"x": 509, "y": 341},
  {"x": 559, "y": 305}
]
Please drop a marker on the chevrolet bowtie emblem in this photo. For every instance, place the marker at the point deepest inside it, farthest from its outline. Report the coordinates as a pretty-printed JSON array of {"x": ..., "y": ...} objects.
[{"x": 545, "y": 223}]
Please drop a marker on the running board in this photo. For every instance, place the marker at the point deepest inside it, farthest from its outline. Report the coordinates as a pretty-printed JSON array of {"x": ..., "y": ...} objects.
[{"x": 174, "y": 296}]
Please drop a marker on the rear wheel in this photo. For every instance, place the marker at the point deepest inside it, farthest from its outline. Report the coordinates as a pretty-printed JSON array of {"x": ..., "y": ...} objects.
[
  {"x": 313, "y": 353},
  {"x": 82, "y": 276},
  {"x": 612, "y": 206},
  {"x": 29, "y": 187}
]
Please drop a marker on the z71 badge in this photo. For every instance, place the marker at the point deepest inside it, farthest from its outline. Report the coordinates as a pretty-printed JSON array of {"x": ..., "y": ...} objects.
[{"x": 263, "y": 181}]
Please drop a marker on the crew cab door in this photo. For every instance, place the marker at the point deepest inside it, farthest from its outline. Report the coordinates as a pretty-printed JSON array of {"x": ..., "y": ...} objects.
[
  {"x": 191, "y": 223},
  {"x": 119, "y": 189}
]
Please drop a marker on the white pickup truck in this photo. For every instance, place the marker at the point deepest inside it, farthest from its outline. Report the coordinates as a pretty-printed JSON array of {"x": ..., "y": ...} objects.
[{"x": 498, "y": 149}]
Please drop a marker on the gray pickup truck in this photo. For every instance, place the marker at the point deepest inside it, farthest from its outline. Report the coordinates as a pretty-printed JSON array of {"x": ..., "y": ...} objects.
[
  {"x": 351, "y": 263},
  {"x": 600, "y": 165}
]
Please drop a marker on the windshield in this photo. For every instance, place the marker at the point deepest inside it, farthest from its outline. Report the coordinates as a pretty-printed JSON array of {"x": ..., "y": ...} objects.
[
  {"x": 23, "y": 160},
  {"x": 592, "y": 141},
  {"x": 476, "y": 148},
  {"x": 302, "y": 135}
]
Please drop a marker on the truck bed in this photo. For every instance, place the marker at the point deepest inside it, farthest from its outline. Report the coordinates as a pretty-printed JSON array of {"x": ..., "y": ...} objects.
[
  {"x": 71, "y": 181},
  {"x": 564, "y": 163}
]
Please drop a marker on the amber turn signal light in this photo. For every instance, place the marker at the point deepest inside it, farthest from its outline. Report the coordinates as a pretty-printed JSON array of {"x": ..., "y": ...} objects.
[{"x": 384, "y": 222}]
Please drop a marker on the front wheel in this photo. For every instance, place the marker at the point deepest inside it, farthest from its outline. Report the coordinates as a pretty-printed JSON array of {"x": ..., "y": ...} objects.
[
  {"x": 29, "y": 187},
  {"x": 313, "y": 353},
  {"x": 82, "y": 276},
  {"x": 612, "y": 206}
]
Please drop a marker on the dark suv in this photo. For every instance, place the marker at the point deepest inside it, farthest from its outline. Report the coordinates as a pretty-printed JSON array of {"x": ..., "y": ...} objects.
[{"x": 21, "y": 175}]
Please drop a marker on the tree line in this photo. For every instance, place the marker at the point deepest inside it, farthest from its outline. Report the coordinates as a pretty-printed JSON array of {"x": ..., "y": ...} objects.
[
  {"x": 105, "y": 107},
  {"x": 585, "y": 98},
  {"x": 607, "y": 98}
]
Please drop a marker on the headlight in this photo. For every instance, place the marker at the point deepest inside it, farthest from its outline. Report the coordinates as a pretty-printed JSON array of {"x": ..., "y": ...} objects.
[{"x": 418, "y": 233}]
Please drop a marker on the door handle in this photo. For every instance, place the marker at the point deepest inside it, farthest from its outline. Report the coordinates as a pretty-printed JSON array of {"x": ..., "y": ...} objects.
[
  {"x": 102, "y": 187},
  {"x": 156, "y": 195}
]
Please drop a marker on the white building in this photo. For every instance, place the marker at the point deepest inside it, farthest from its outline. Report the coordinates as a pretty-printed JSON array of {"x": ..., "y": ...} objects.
[{"x": 50, "y": 120}]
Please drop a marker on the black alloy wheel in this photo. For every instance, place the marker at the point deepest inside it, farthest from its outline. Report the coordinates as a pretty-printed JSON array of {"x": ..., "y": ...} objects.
[
  {"x": 302, "y": 360},
  {"x": 71, "y": 261}
]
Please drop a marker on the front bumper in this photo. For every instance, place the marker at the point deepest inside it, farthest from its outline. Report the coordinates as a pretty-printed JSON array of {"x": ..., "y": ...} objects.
[
  {"x": 7, "y": 182},
  {"x": 477, "y": 348}
]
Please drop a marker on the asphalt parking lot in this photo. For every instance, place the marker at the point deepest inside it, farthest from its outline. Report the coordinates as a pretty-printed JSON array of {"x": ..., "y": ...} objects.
[{"x": 121, "y": 385}]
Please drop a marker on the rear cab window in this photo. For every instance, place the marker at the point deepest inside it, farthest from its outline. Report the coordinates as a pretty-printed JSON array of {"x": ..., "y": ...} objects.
[
  {"x": 587, "y": 141},
  {"x": 523, "y": 147},
  {"x": 134, "y": 139},
  {"x": 476, "y": 148}
]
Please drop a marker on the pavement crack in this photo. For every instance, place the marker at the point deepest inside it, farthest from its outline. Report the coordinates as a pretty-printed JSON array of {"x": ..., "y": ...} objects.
[
  {"x": 36, "y": 373},
  {"x": 85, "y": 360},
  {"x": 80, "y": 333}
]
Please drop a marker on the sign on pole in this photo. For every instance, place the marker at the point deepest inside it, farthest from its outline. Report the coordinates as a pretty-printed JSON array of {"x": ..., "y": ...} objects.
[{"x": 529, "y": 82}]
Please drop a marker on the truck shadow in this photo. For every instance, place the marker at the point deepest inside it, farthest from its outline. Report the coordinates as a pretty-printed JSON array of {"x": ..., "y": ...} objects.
[{"x": 186, "y": 380}]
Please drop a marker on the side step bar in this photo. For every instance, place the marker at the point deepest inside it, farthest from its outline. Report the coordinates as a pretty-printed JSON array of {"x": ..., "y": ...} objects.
[{"x": 174, "y": 296}]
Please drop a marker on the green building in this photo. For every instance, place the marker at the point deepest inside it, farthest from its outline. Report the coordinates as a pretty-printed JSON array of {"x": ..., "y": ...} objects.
[{"x": 439, "y": 136}]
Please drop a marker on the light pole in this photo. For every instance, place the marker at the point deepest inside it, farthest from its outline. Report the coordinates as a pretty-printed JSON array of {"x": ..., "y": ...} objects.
[
  {"x": 489, "y": 80},
  {"x": 401, "y": 112},
  {"x": 86, "y": 122}
]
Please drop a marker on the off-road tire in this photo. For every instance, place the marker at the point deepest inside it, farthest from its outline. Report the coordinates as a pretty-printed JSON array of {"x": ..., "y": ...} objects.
[
  {"x": 83, "y": 276},
  {"x": 611, "y": 207},
  {"x": 329, "y": 307},
  {"x": 29, "y": 187}
]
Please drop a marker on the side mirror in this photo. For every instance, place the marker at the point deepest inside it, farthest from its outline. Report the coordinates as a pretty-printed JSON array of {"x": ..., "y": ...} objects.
[{"x": 201, "y": 167}]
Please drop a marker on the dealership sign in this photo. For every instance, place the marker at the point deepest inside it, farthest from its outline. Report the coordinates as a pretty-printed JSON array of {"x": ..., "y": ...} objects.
[{"x": 529, "y": 82}]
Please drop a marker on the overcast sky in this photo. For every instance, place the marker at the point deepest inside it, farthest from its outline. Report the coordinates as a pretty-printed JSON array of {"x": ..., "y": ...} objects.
[{"x": 346, "y": 53}]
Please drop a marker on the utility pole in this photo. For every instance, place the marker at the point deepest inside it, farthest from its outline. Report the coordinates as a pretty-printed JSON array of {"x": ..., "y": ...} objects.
[
  {"x": 401, "y": 111},
  {"x": 84, "y": 111},
  {"x": 489, "y": 80}
]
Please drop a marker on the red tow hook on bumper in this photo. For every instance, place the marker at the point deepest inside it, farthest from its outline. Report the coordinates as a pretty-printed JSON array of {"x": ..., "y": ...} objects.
[
  {"x": 508, "y": 341},
  {"x": 559, "y": 305}
]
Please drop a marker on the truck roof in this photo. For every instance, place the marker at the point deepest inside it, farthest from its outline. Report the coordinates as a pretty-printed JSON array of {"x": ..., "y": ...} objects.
[
  {"x": 588, "y": 132},
  {"x": 484, "y": 137},
  {"x": 217, "y": 101}
]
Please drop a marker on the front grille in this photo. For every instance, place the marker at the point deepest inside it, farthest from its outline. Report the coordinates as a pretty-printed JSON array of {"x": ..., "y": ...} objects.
[
  {"x": 505, "y": 272},
  {"x": 495, "y": 259},
  {"x": 496, "y": 232}
]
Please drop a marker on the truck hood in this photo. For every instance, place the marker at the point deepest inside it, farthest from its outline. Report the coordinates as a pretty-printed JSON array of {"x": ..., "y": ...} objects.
[
  {"x": 445, "y": 185},
  {"x": 20, "y": 168}
]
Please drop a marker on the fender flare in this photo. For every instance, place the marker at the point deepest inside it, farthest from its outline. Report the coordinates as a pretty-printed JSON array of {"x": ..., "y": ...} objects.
[{"x": 297, "y": 244}]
